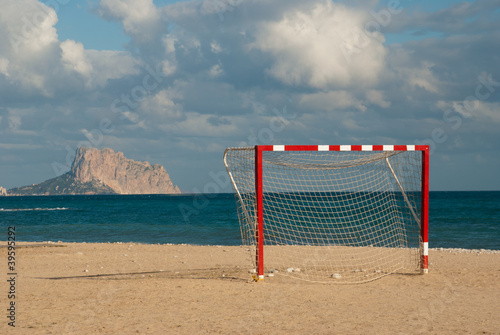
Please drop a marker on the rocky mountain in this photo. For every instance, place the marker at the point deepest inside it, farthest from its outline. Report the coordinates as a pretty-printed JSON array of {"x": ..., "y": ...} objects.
[
  {"x": 104, "y": 171},
  {"x": 64, "y": 184}
]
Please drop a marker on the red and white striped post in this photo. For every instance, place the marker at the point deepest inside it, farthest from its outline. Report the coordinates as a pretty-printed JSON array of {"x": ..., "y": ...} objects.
[
  {"x": 424, "y": 213},
  {"x": 259, "y": 231}
]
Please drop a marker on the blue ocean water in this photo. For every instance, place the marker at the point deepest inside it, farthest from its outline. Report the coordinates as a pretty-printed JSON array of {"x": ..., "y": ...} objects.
[{"x": 456, "y": 219}]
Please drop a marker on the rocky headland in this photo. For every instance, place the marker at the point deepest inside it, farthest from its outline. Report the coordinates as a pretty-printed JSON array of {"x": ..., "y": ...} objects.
[{"x": 95, "y": 171}]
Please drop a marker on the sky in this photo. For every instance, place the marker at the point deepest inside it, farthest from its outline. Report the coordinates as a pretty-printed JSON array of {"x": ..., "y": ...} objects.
[{"x": 177, "y": 82}]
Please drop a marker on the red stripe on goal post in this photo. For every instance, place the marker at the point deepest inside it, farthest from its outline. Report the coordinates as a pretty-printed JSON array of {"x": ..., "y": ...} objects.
[
  {"x": 356, "y": 147},
  {"x": 424, "y": 212},
  {"x": 259, "y": 231}
]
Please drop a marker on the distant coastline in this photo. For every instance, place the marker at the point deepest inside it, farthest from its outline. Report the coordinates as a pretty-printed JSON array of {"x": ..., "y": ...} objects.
[{"x": 95, "y": 171}]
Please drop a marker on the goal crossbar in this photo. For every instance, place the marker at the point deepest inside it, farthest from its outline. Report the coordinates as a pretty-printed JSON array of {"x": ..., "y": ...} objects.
[{"x": 349, "y": 212}]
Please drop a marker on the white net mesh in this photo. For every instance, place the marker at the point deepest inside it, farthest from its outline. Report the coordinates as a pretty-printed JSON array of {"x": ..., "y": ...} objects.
[{"x": 332, "y": 216}]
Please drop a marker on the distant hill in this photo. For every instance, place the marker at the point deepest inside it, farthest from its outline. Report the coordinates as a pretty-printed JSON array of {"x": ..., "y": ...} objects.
[
  {"x": 103, "y": 171},
  {"x": 64, "y": 184}
]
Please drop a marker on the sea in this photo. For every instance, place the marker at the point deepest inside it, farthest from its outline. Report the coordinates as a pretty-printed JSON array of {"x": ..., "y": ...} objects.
[{"x": 469, "y": 220}]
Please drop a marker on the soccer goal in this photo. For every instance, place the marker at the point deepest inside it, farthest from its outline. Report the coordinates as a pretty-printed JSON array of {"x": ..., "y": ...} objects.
[{"x": 333, "y": 213}]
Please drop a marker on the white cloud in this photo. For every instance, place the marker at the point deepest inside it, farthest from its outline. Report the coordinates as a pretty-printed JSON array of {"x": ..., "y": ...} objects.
[
  {"x": 219, "y": 7},
  {"x": 28, "y": 25},
  {"x": 215, "y": 47},
  {"x": 413, "y": 72},
  {"x": 4, "y": 66},
  {"x": 161, "y": 108},
  {"x": 13, "y": 122},
  {"x": 28, "y": 41},
  {"x": 323, "y": 46},
  {"x": 32, "y": 57},
  {"x": 111, "y": 65},
  {"x": 74, "y": 58},
  {"x": 96, "y": 67},
  {"x": 168, "y": 68},
  {"x": 422, "y": 77},
  {"x": 216, "y": 70},
  {"x": 140, "y": 18},
  {"x": 473, "y": 108}
]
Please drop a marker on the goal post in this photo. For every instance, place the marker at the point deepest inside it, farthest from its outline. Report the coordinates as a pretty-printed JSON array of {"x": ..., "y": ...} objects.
[
  {"x": 333, "y": 213},
  {"x": 424, "y": 221}
]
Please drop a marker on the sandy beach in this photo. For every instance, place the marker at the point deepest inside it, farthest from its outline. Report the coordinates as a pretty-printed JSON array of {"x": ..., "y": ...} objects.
[{"x": 127, "y": 288}]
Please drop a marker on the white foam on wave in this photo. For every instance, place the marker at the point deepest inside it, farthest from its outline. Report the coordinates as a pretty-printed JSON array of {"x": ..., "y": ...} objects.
[
  {"x": 467, "y": 251},
  {"x": 33, "y": 209}
]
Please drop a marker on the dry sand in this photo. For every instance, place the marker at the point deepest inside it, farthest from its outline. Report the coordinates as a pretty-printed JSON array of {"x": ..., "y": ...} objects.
[{"x": 126, "y": 288}]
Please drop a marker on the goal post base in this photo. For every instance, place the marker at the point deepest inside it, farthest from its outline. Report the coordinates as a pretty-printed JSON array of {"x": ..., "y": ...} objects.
[{"x": 258, "y": 278}]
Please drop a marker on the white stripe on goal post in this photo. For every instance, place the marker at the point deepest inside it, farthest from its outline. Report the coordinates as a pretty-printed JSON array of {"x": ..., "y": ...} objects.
[
  {"x": 425, "y": 257},
  {"x": 345, "y": 148},
  {"x": 366, "y": 148},
  {"x": 323, "y": 148},
  {"x": 278, "y": 148},
  {"x": 388, "y": 148}
]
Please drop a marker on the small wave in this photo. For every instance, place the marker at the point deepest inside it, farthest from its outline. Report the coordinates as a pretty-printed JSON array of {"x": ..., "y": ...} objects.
[{"x": 33, "y": 209}]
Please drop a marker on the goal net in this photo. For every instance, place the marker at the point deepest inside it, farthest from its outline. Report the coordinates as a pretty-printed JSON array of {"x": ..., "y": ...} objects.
[{"x": 343, "y": 214}]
